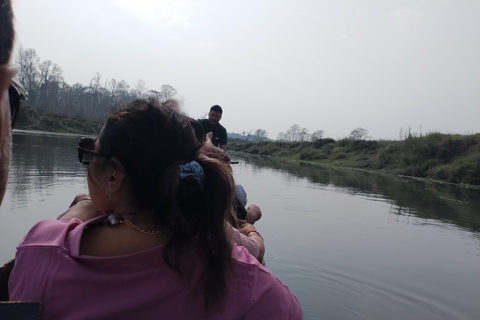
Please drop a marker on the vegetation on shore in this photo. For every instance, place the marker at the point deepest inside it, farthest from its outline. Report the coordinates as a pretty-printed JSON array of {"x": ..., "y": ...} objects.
[
  {"x": 32, "y": 118},
  {"x": 446, "y": 157}
]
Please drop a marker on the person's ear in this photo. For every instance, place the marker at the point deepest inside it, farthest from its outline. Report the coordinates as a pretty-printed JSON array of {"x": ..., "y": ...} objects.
[{"x": 117, "y": 175}]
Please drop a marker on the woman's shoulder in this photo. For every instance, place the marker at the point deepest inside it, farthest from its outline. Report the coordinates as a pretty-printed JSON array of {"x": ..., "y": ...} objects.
[
  {"x": 53, "y": 232},
  {"x": 269, "y": 297}
]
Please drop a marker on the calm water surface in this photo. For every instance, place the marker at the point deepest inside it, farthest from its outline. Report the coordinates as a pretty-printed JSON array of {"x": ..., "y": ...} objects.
[{"x": 349, "y": 244}]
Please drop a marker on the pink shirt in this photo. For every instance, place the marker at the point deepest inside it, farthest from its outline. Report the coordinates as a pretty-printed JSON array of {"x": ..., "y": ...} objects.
[
  {"x": 49, "y": 269},
  {"x": 240, "y": 239}
]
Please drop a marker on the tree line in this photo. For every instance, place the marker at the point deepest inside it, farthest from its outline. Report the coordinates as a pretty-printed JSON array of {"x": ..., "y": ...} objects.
[
  {"x": 48, "y": 91},
  {"x": 298, "y": 134}
]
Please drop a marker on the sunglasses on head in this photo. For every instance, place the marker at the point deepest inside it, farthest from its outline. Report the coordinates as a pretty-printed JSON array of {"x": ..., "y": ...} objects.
[
  {"x": 86, "y": 150},
  {"x": 16, "y": 93}
]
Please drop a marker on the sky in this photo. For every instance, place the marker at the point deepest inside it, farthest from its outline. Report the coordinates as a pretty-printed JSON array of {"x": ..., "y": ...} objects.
[{"x": 331, "y": 65}]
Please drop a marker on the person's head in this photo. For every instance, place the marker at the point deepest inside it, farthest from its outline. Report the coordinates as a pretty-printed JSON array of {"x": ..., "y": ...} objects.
[
  {"x": 145, "y": 144},
  {"x": 215, "y": 114},
  {"x": 6, "y": 75}
]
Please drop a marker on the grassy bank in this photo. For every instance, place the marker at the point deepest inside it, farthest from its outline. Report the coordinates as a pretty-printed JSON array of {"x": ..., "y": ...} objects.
[
  {"x": 31, "y": 118},
  {"x": 445, "y": 157}
]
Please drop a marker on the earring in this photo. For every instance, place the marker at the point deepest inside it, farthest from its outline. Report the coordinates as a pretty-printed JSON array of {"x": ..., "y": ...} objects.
[{"x": 108, "y": 195}]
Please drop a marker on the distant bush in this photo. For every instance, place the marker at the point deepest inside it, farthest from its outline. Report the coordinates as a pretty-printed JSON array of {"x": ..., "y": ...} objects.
[
  {"x": 268, "y": 148},
  {"x": 312, "y": 154},
  {"x": 319, "y": 143},
  {"x": 253, "y": 149},
  {"x": 327, "y": 149}
]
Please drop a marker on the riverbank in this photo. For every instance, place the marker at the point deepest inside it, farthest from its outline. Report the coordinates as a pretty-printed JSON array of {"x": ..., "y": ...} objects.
[
  {"x": 444, "y": 157},
  {"x": 436, "y": 156},
  {"x": 31, "y": 118}
]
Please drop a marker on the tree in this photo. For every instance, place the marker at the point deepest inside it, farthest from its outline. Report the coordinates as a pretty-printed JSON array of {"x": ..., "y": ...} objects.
[
  {"x": 166, "y": 93},
  {"x": 359, "y": 134},
  {"x": 317, "y": 135},
  {"x": 247, "y": 135},
  {"x": 139, "y": 88},
  {"x": 281, "y": 136},
  {"x": 27, "y": 62},
  {"x": 259, "y": 135},
  {"x": 294, "y": 133},
  {"x": 50, "y": 78},
  {"x": 123, "y": 89},
  {"x": 47, "y": 89},
  {"x": 304, "y": 136}
]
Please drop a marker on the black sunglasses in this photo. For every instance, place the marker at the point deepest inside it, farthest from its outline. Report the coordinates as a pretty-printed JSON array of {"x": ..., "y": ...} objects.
[
  {"x": 86, "y": 150},
  {"x": 16, "y": 93}
]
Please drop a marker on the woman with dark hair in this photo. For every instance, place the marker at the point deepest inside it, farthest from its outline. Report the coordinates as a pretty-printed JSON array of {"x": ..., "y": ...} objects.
[{"x": 159, "y": 246}]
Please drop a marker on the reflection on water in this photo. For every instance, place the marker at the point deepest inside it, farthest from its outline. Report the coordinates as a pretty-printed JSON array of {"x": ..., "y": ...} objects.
[
  {"x": 357, "y": 245},
  {"x": 349, "y": 244},
  {"x": 429, "y": 200},
  {"x": 45, "y": 175}
]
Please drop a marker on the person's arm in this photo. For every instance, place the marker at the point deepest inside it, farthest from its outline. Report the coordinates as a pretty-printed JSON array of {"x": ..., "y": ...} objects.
[
  {"x": 251, "y": 232},
  {"x": 81, "y": 208},
  {"x": 251, "y": 245}
]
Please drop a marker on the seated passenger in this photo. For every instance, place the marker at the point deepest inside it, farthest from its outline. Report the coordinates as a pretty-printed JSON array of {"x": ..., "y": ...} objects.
[
  {"x": 241, "y": 218},
  {"x": 161, "y": 247}
]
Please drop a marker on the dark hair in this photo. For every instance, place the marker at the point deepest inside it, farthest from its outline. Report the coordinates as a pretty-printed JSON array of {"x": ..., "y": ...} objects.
[
  {"x": 6, "y": 31},
  {"x": 151, "y": 141},
  {"x": 216, "y": 108}
]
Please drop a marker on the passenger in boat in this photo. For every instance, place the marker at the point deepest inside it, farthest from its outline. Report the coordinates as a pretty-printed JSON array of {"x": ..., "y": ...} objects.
[
  {"x": 161, "y": 249},
  {"x": 11, "y": 94},
  {"x": 243, "y": 232},
  {"x": 253, "y": 212}
]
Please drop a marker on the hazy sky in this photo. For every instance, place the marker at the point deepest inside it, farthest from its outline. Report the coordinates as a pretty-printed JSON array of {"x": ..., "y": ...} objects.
[{"x": 330, "y": 65}]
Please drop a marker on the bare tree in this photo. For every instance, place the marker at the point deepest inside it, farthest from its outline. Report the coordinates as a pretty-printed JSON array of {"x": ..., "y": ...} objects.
[
  {"x": 259, "y": 135},
  {"x": 359, "y": 134},
  {"x": 27, "y": 62},
  {"x": 293, "y": 133},
  {"x": 282, "y": 136},
  {"x": 317, "y": 135},
  {"x": 247, "y": 135},
  {"x": 45, "y": 69},
  {"x": 304, "y": 136},
  {"x": 123, "y": 89},
  {"x": 47, "y": 89},
  {"x": 296, "y": 133},
  {"x": 166, "y": 93},
  {"x": 113, "y": 92},
  {"x": 95, "y": 82},
  {"x": 139, "y": 88}
]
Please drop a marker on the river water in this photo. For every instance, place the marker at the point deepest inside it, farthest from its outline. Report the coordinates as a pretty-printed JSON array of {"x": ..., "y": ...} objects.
[{"x": 349, "y": 244}]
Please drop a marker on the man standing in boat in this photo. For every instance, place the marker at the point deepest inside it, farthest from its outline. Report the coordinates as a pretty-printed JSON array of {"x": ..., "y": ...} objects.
[{"x": 212, "y": 124}]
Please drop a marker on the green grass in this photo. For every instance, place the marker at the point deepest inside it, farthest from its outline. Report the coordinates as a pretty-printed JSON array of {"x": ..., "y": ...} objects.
[{"x": 437, "y": 156}]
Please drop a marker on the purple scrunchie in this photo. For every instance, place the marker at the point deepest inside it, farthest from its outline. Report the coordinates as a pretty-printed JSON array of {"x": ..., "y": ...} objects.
[{"x": 192, "y": 170}]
